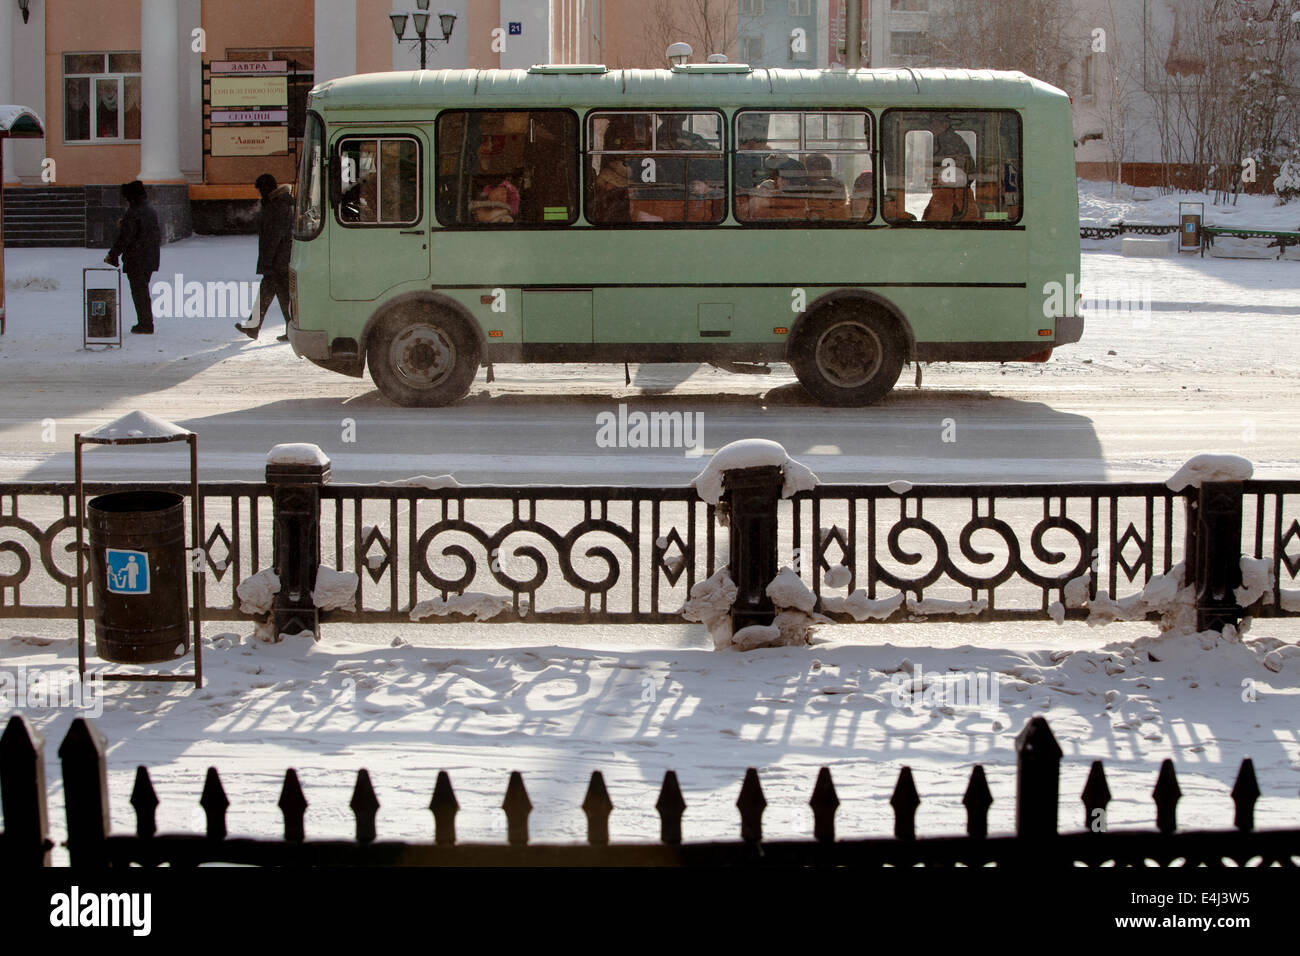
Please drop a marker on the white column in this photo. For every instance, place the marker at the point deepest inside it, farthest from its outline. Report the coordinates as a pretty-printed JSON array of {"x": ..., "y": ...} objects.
[
  {"x": 160, "y": 152},
  {"x": 7, "y": 13},
  {"x": 336, "y": 38}
]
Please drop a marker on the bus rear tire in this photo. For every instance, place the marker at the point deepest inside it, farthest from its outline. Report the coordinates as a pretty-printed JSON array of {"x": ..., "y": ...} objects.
[
  {"x": 848, "y": 354},
  {"x": 423, "y": 357}
]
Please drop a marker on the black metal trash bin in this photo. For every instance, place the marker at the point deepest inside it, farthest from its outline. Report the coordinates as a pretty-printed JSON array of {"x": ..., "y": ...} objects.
[{"x": 138, "y": 573}]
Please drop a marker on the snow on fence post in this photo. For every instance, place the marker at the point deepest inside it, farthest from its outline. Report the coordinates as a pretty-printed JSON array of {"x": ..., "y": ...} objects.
[
  {"x": 1038, "y": 780},
  {"x": 295, "y": 473},
  {"x": 1212, "y": 490},
  {"x": 25, "y": 840},
  {"x": 752, "y": 495}
]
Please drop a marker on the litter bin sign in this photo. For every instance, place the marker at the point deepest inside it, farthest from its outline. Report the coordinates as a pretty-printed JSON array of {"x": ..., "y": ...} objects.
[
  {"x": 138, "y": 571},
  {"x": 1189, "y": 226},
  {"x": 102, "y": 325}
]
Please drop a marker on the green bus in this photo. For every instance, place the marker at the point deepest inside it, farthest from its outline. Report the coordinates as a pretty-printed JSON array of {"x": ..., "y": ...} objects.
[{"x": 843, "y": 222}]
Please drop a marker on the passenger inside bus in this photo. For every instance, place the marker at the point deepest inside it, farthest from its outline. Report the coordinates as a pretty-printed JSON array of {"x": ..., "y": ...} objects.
[
  {"x": 863, "y": 196},
  {"x": 360, "y": 202},
  {"x": 951, "y": 199},
  {"x": 497, "y": 203}
]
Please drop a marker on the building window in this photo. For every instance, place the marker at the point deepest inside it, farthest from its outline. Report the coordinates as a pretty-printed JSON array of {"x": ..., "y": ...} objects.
[
  {"x": 909, "y": 43},
  {"x": 101, "y": 97},
  {"x": 805, "y": 168},
  {"x": 649, "y": 168},
  {"x": 945, "y": 166},
  {"x": 751, "y": 49},
  {"x": 753, "y": 8},
  {"x": 497, "y": 168},
  {"x": 1089, "y": 67},
  {"x": 380, "y": 181},
  {"x": 800, "y": 8},
  {"x": 917, "y": 5}
]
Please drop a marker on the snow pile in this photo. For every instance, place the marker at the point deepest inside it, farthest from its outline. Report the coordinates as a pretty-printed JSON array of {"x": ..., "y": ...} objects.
[
  {"x": 31, "y": 284},
  {"x": 838, "y": 576},
  {"x": 863, "y": 608},
  {"x": 710, "y": 604},
  {"x": 482, "y": 607},
  {"x": 1256, "y": 581},
  {"x": 1164, "y": 594},
  {"x": 335, "y": 590},
  {"x": 788, "y": 590},
  {"x": 752, "y": 453},
  {"x": 941, "y": 606},
  {"x": 1203, "y": 468},
  {"x": 257, "y": 592},
  {"x": 296, "y": 453},
  {"x": 135, "y": 425},
  {"x": 423, "y": 481}
]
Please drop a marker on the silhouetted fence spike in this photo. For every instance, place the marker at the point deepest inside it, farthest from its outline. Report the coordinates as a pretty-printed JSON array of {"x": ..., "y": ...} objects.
[
  {"x": 977, "y": 801},
  {"x": 145, "y": 803},
  {"x": 1038, "y": 779},
  {"x": 671, "y": 806},
  {"x": 824, "y": 802},
  {"x": 1096, "y": 797},
  {"x": 1167, "y": 794},
  {"x": 293, "y": 804},
  {"x": 751, "y": 804},
  {"x": 214, "y": 804},
  {"x": 444, "y": 807},
  {"x": 85, "y": 791},
  {"x": 1244, "y": 794},
  {"x": 597, "y": 806},
  {"x": 22, "y": 794},
  {"x": 365, "y": 807},
  {"x": 905, "y": 801},
  {"x": 517, "y": 807}
]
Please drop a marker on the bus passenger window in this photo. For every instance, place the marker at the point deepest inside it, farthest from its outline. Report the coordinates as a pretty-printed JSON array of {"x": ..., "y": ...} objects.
[
  {"x": 946, "y": 166},
  {"x": 796, "y": 167},
  {"x": 648, "y": 167},
  {"x": 499, "y": 168},
  {"x": 380, "y": 178}
]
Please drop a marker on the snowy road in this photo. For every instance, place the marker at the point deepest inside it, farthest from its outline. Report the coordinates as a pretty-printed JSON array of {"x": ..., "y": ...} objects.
[{"x": 1210, "y": 366}]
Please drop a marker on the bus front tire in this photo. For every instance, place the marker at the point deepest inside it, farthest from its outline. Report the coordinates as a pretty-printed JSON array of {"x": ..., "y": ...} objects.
[
  {"x": 848, "y": 355},
  {"x": 423, "y": 359}
]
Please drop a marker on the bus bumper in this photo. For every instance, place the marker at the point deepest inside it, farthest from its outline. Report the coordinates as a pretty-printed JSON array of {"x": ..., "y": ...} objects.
[
  {"x": 1069, "y": 329},
  {"x": 314, "y": 346}
]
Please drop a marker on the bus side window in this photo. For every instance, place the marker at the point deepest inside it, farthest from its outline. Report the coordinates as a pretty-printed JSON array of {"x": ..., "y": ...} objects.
[
  {"x": 796, "y": 167},
  {"x": 380, "y": 181}
]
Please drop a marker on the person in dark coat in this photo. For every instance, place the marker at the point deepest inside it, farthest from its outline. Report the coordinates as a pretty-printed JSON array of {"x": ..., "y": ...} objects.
[
  {"x": 274, "y": 244},
  {"x": 139, "y": 245}
]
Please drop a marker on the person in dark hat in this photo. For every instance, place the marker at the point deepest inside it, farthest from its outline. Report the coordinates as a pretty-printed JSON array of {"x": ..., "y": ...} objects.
[
  {"x": 139, "y": 245},
  {"x": 274, "y": 244}
]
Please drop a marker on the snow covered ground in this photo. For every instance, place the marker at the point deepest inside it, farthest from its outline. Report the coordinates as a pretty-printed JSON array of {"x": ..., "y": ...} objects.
[{"x": 1206, "y": 363}]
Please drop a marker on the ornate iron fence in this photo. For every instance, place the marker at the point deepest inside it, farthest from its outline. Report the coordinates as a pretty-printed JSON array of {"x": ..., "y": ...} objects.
[{"x": 1037, "y": 839}]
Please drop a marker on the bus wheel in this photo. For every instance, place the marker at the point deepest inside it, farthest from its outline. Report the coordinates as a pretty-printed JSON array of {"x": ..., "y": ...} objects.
[
  {"x": 423, "y": 358},
  {"x": 847, "y": 355}
]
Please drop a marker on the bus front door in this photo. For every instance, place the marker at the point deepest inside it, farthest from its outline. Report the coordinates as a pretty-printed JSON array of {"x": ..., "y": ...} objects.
[{"x": 379, "y": 234}]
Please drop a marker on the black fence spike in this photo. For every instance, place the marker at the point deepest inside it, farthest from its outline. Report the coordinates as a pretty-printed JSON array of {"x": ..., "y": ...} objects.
[
  {"x": 977, "y": 799},
  {"x": 22, "y": 793},
  {"x": 293, "y": 804},
  {"x": 1244, "y": 794},
  {"x": 444, "y": 807},
  {"x": 365, "y": 807},
  {"x": 145, "y": 803},
  {"x": 1038, "y": 779},
  {"x": 597, "y": 806},
  {"x": 1096, "y": 797},
  {"x": 824, "y": 802},
  {"x": 671, "y": 806},
  {"x": 905, "y": 801},
  {"x": 1167, "y": 794},
  {"x": 214, "y": 804},
  {"x": 517, "y": 807},
  {"x": 85, "y": 791},
  {"x": 751, "y": 804}
]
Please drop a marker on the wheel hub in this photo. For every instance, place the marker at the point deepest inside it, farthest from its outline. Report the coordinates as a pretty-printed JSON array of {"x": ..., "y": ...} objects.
[
  {"x": 423, "y": 356},
  {"x": 849, "y": 354}
]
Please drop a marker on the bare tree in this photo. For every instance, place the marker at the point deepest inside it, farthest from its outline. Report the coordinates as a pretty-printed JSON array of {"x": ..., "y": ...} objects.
[
  {"x": 709, "y": 26},
  {"x": 1037, "y": 37}
]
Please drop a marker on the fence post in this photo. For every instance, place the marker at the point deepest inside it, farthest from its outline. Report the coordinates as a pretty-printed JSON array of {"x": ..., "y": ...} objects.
[
  {"x": 752, "y": 495},
  {"x": 1213, "y": 552},
  {"x": 1038, "y": 780},
  {"x": 22, "y": 787},
  {"x": 85, "y": 792},
  {"x": 295, "y": 482}
]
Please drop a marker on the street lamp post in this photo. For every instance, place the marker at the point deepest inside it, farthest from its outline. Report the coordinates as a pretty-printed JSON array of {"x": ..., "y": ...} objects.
[{"x": 420, "y": 21}]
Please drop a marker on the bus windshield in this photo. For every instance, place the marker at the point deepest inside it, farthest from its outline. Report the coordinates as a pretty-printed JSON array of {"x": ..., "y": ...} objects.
[{"x": 307, "y": 223}]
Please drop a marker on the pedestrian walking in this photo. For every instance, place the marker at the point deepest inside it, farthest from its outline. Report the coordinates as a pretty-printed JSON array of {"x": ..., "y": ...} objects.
[
  {"x": 274, "y": 243},
  {"x": 138, "y": 244}
]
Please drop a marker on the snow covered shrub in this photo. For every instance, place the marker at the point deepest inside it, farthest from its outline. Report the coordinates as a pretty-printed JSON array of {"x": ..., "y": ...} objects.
[{"x": 1287, "y": 183}]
